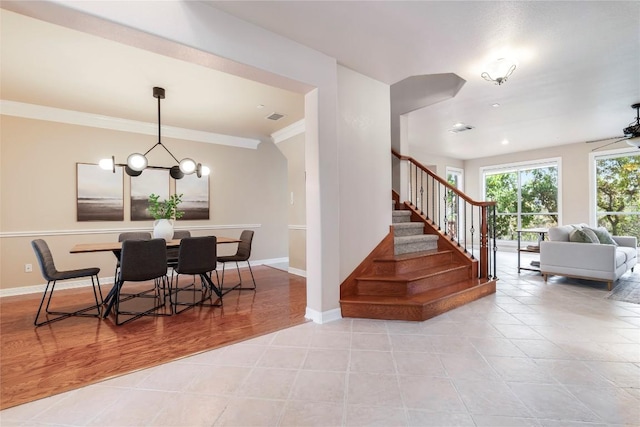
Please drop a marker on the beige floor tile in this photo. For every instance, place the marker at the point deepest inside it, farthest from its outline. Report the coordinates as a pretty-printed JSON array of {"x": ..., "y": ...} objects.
[
  {"x": 411, "y": 343},
  {"x": 439, "y": 419},
  {"x": 520, "y": 369},
  {"x": 327, "y": 360},
  {"x": 372, "y": 361},
  {"x": 572, "y": 372},
  {"x": 365, "y": 416},
  {"x": 552, "y": 402},
  {"x": 468, "y": 367},
  {"x": 496, "y": 347},
  {"x": 409, "y": 363},
  {"x": 293, "y": 337},
  {"x": 171, "y": 377},
  {"x": 250, "y": 412},
  {"x": 320, "y": 414},
  {"x": 621, "y": 374},
  {"x": 223, "y": 380},
  {"x": 430, "y": 393},
  {"x": 373, "y": 389},
  {"x": 133, "y": 408},
  {"x": 490, "y": 398},
  {"x": 369, "y": 326},
  {"x": 80, "y": 406},
  {"x": 268, "y": 383},
  {"x": 542, "y": 349},
  {"x": 497, "y": 421},
  {"x": 319, "y": 386},
  {"x": 283, "y": 357},
  {"x": 331, "y": 340},
  {"x": 190, "y": 410},
  {"x": 241, "y": 355},
  {"x": 368, "y": 341},
  {"x": 612, "y": 405}
]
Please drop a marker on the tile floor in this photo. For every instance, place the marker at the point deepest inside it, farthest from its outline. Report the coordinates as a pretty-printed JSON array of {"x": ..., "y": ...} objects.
[{"x": 533, "y": 354}]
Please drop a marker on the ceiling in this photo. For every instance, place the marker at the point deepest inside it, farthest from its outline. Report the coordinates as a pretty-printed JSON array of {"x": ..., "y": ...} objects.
[
  {"x": 54, "y": 66},
  {"x": 578, "y": 70},
  {"x": 578, "y": 66}
]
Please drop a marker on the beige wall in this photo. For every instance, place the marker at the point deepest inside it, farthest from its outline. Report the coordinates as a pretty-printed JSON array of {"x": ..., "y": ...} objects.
[
  {"x": 574, "y": 177},
  {"x": 293, "y": 150},
  {"x": 437, "y": 164},
  {"x": 38, "y": 192}
]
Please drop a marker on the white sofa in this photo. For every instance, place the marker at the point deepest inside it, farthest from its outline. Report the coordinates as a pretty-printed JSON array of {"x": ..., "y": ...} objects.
[{"x": 593, "y": 261}]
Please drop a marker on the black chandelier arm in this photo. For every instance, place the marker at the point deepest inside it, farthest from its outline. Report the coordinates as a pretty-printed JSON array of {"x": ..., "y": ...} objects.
[{"x": 163, "y": 146}]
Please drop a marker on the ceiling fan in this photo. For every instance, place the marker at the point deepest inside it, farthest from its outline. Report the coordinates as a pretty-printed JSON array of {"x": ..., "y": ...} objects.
[{"x": 631, "y": 134}]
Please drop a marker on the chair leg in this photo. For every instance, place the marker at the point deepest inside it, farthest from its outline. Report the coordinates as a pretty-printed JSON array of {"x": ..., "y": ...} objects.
[{"x": 64, "y": 314}]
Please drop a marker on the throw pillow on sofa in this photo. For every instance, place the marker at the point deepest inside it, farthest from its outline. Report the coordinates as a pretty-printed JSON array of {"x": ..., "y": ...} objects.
[
  {"x": 603, "y": 236},
  {"x": 583, "y": 235}
]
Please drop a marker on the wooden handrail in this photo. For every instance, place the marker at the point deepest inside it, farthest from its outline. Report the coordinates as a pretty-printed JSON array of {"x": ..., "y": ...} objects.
[{"x": 441, "y": 180}]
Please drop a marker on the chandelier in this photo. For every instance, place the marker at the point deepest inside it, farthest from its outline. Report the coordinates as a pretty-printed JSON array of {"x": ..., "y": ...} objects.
[
  {"x": 136, "y": 162},
  {"x": 499, "y": 70}
]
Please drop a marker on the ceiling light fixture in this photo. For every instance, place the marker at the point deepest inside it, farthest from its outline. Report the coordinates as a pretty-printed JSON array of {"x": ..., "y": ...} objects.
[
  {"x": 137, "y": 162},
  {"x": 499, "y": 70}
]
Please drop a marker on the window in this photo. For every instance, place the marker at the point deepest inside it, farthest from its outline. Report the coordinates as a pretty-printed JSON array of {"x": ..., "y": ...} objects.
[
  {"x": 526, "y": 196},
  {"x": 617, "y": 192}
]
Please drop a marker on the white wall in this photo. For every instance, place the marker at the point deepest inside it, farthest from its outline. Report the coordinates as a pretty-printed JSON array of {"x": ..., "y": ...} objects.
[{"x": 365, "y": 166}]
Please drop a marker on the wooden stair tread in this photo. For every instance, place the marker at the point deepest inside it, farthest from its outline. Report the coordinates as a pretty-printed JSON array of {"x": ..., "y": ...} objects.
[
  {"x": 410, "y": 256},
  {"x": 418, "y": 299},
  {"x": 417, "y": 274}
]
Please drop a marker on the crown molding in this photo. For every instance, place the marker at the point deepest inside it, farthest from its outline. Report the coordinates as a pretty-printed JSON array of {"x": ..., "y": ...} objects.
[
  {"x": 290, "y": 131},
  {"x": 59, "y": 115}
]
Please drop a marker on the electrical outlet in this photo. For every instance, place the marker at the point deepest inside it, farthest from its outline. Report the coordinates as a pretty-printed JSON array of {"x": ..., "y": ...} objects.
[{"x": 28, "y": 268}]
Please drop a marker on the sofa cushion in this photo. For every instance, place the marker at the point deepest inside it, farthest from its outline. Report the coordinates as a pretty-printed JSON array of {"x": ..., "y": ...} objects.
[
  {"x": 630, "y": 254},
  {"x": 560, "y": 233},
  {"x": 603, "y": 236},
  {"x": 583, "y": 235}
]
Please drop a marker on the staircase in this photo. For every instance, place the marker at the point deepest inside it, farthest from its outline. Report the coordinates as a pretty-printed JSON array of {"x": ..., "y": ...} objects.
[{"x": 414, "y": 274}]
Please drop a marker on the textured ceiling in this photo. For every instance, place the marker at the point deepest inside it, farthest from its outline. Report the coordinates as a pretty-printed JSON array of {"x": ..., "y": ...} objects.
[
  {"x": 578, "y": 63},
  {"x": 578, "y": 69}
]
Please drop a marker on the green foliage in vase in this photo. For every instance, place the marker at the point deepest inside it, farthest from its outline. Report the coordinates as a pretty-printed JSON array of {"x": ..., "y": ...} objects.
[{"x": 166, "y": 209}]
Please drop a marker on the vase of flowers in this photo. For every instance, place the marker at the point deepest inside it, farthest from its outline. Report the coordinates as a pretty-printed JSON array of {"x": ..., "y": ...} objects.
[{"x": 165, "y": 213}]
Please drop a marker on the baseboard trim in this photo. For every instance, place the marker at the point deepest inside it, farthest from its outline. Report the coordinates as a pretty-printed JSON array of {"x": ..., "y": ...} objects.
[
  {"x": 298, "y": 272},
  {"x": 324, "y": 316}
]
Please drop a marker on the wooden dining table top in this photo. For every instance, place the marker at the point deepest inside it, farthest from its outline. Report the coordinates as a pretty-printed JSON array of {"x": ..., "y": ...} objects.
[{"x": 116, "y": 246}]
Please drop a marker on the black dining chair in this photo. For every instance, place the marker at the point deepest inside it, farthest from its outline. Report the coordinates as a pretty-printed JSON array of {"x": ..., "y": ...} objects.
[
  {"x": 141, "y": 261},
  {"x": 129, "y": 235},
  {"x": 197, "y": 256},
  {"x": 172, "y": 253},
  {"x": 242, "y": 255},
  {"x": 52, "y": 276}
]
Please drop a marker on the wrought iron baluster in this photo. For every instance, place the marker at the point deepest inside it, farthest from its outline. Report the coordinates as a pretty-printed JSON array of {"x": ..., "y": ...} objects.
[
  {"x": 446, "y": 220},
  {"x": 421, "y": 192},
  {"x": 472, "y": 230}
]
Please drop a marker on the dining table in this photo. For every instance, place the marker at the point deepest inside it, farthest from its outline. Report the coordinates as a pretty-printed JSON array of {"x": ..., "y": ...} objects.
[{"x": 116, "y": 248}]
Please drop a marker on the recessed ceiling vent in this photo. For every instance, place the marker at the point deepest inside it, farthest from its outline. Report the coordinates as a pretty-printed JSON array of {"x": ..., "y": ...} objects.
[
  {"x": 460, "y": 127},
  {"x": 275, "y": 116}
]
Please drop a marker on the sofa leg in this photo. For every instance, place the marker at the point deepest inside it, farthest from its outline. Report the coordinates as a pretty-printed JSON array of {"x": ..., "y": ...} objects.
[
  {"x": 544, "y": 276},
  {"x": 609, "y": 285}
]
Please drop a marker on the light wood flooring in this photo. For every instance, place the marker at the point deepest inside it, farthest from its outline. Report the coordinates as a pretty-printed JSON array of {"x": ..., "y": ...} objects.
[{"x": 74, "y": 352}]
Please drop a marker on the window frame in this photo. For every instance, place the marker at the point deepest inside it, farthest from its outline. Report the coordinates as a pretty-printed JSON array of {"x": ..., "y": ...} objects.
[
  {"x": 517, "y": 167},
  {"x": 593, "y": 157}
]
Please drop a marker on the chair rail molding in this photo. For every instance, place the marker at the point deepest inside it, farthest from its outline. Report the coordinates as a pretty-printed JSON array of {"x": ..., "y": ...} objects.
[
  {"x": 51, "y": 114},
  {"x": 79, "y": 232}
]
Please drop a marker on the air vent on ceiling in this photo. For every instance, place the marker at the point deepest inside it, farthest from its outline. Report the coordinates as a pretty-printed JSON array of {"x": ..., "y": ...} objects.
[
  {"x": 460, "y": 127},
  {"x": 275, "y": 116}
]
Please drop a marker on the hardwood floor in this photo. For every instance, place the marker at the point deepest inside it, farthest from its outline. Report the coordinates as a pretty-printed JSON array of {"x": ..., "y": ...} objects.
[{"x": 64, "y": 355}]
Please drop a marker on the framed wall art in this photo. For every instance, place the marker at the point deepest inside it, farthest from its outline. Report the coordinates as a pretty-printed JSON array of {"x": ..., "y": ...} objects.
[
  {"x": 100, "y": 193},
  {"x": 195, "y": 196},
  {"x": 150, "y": 181}
]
